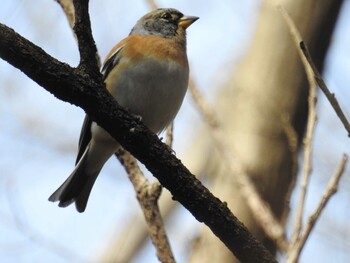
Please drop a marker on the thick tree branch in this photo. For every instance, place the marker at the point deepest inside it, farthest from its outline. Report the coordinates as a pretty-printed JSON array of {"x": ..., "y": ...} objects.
[
  {"x": 88, "y": 52},
  {"x": 77, "y": 87}
]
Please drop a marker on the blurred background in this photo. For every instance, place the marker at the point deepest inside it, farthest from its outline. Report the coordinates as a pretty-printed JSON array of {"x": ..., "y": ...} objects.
[{"x": 241, "y": 56}]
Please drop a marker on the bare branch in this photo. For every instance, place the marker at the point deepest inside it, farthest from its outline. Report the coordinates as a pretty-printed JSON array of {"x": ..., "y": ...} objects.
[
  {"x": 310, "y": 129},
  {"x": 134, "y": 233},
  {"x": 298, "y": 240},
  {"x": 148, "y": 195},
  {"x": 331, "y": 189},
  {"x": 328, "y": 193},
  {"x": 261, "y": 210},
  {"x": 152, "y": 4},
  {"x": 330, "y": 96},
  {"x": 169, "y": 134},
  {"x": 293, "y": 143},
  {"x": 68, "y": 9},
  {"x": 204, "y": 108},
  {"x": 89, "y": 61}
]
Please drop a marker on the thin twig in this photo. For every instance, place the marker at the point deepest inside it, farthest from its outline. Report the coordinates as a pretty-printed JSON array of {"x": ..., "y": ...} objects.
[
  {"x": 293, "y": 142},
  {"x": 328, "y": 193},
  {"x": 261, "y": 210},
  {"x": 291, "y": 134},
  {"x": 152, "y": 4},
  {"x": 68, "y": 9},
  {"x": 330, "y": 96},
  {"x": 307, "y": 162},
  {"x": 310, "y": 128},
  {"x": 170, "y": 134},
  {"x": 134, "y": 233},
  {"x": 148, "y": 195},
  {"x": 205, "y": 109}
]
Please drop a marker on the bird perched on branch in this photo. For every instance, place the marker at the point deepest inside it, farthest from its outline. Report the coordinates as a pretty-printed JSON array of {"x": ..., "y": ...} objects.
[{"x": 147, "y": 73}]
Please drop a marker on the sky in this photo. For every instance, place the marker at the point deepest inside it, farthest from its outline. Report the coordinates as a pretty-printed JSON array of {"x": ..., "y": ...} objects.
[{"x": 39, "y": 134}]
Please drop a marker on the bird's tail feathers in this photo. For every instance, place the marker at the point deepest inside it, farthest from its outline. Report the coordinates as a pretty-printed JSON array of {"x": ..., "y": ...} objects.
[{"x": 77, "y": 187}]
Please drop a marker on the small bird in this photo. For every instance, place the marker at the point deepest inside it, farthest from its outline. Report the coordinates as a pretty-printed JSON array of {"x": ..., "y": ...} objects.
[{"x": 147, "y": 73}]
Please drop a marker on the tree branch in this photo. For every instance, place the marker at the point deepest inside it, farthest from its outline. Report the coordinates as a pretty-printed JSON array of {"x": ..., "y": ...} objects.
[
  {"x": 310, "y": 128},
  {"x": 68, "y": 8},
  {"x": 330, "y": 96},
  {"x": 260, "y": 209},
  {"x": 148, "y": 195},
  {"x": 87, "y": 48},
  {"x": 294, "y": 253},
  {"x": 77, "y": 87}
]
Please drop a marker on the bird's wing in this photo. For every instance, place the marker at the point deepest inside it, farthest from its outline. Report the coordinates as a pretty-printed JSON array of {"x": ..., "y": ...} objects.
[
  {"x": 85, "y": 137},
  {"x": 85, "y": 134},
  {"x": 112, "y": 60}
]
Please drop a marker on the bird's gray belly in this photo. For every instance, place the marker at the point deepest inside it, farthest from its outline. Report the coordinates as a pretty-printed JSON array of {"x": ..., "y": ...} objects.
[{"x": 153, "y": 91}]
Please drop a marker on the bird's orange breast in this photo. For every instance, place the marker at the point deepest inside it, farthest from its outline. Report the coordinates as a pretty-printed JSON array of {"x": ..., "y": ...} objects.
[{"x": 138, "y": 47}]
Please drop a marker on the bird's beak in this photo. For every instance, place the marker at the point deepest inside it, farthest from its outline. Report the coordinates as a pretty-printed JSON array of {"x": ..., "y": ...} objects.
[{"x": 186, "y": 21}]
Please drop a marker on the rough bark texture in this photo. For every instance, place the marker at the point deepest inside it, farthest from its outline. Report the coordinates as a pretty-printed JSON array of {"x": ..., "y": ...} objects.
[{"x": 269, "y": 84}]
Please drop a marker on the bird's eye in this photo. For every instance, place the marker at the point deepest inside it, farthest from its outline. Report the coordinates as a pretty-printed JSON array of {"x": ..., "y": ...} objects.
[{"x": 166, "y": 16}]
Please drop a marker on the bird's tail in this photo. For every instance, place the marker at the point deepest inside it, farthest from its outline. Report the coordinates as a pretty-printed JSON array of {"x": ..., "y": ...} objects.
[{"x": 77, "y": 187}]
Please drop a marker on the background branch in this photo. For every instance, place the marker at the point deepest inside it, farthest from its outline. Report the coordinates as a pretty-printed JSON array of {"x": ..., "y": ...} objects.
[
  {"x": 294, "y": 253},
  {"x": 148, "y": 195},
  {"x": 330, "y": 96},
  {"x": 260, "y": 209},
  {"x": 68, "y": 8},
  {"x": 298, "y": 239},
  {"x": 310, "y": 128}
]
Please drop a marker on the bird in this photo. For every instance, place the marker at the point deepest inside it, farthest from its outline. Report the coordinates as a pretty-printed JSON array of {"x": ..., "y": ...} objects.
[{"x": 147, "y": 73}]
